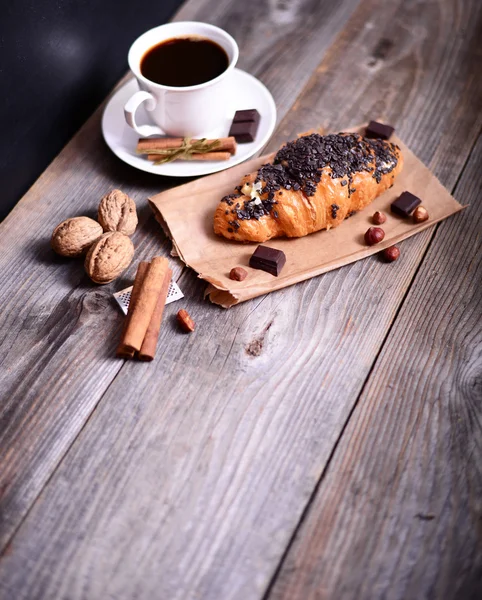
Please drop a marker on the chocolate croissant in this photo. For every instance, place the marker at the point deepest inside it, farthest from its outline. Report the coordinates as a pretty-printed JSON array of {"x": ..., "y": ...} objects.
[{"x": 314, "y": 182}]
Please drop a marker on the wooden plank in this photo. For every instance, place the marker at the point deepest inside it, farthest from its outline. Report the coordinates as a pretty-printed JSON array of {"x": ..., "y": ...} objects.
[
  {"x": 57, "y": 354},
  {"x": 398, "y": 512},
  {"x": 281, "y": 42},
  {"x": 190, "y": 477}
]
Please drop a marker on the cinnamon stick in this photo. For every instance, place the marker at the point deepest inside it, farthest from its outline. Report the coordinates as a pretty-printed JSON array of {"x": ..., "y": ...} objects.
[
  {"x": 146, "y": 303},
  {"x": 205, "y": 156},
  {"x": 148, "y": 348},
  {"x": 122, "y": 351},
  {"x": 227, "y": 144}
]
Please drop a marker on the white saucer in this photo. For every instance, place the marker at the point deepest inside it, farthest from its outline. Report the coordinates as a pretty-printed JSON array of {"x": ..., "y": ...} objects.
[{"x": 248, "y": 92}]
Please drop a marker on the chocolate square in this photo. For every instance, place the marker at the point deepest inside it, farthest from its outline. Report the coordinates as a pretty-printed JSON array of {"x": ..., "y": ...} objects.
[
  {"x": 405, "y": 204},
  {"x": 379, "y": 130},
  {"x": 268, "y": 259},
  {"x": 242, "y": 116},
  {"x": 244, "y": 132}
]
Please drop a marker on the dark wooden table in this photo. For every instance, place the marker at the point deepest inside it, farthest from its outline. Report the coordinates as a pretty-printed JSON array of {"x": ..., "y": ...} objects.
[{"x": 324, "y": 441}]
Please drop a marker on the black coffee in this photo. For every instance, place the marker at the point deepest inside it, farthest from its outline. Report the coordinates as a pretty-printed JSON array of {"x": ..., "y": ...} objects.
[{"x": 180, "y": 62}]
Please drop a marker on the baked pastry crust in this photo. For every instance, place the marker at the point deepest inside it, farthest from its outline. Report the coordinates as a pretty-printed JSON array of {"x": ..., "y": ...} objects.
[{"x": 314, "y": 183}]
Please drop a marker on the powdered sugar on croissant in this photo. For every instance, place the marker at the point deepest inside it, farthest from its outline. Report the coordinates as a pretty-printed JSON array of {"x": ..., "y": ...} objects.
[{"x": 314, "y": 183}]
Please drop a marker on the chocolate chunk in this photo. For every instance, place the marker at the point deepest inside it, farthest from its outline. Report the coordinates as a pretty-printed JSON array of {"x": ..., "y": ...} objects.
[
  {"x": 241, "y": 116},
  {"x": 405, "y": 204},
  {"x": 268, "y": 259},
  {"x": 245, "y": 125},
  {"x": 379, "y": 130},
  {"x": 244, "y": 132}
]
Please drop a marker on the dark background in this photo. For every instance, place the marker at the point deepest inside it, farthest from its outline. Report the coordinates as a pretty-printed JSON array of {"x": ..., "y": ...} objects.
[{"x": 58, "y": 61}]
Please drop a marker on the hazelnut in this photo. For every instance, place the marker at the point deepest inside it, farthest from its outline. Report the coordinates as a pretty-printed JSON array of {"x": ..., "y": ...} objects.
[
  {"x": 117, "y": 212},
  {"x": 374, "y": 235},
  {"x": 420, "y": 214},
  {"x": 74, "y": 237},
  {"x": 238, "y": 274},
  {"x": 379, "y": 218},
  {"x": 391, "y": 254},
  {"x": 185, "y": 321}
]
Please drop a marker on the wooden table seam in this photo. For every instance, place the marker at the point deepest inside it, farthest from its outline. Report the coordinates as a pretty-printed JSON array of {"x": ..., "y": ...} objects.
[{"x": 319, "y": 483}]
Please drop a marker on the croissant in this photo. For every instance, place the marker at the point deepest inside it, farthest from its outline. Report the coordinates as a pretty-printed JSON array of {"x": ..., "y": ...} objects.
[{"x": 314, "y": 183}]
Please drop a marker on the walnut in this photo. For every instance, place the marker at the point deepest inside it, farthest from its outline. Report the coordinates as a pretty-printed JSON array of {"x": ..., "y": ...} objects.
[
  {"x": 109, "y": 257},
  {"x": 74, "y": 236},
  {"x": 117, "y": 212}
]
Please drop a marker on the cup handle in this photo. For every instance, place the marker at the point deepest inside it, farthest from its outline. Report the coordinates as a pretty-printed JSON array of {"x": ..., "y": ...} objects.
[{"x": 130, "y": 110}]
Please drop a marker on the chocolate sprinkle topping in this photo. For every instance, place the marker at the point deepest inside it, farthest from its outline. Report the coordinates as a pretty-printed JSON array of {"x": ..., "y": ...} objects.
[
  {"x": 229, "y": 199},
  {"x": 299, "y": 166}
]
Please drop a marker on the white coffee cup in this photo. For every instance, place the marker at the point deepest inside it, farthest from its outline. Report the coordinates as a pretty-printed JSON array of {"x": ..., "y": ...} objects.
[{"x": 180, "y": 111}]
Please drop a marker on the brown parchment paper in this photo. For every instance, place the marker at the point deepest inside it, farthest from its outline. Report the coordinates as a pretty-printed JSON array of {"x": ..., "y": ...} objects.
[{"x": 186, "y": 214}]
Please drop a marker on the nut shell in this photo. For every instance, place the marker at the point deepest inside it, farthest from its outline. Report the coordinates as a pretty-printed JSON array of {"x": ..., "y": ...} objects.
[
  {"x": 185, "y": 321},
  {"x": 74, "y": 237},
  {"x": 420, "y": 214},
  {"x": 391, "y": 253},
  {"x": 109, "y": 257},
  {"x": 117, "y": 212},
  {"x": 374, "y": 235},
  {"x": 238, "y": 274},
  {"x": 379, "y": 218}
]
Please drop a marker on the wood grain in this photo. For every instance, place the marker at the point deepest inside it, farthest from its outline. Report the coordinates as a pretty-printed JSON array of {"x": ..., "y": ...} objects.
[
  {"x": 191, "y": 476},
  {"x": 281, "y": 41},
  {"x": 398, "y": 513},
  {"x": 61, "y": 330}
]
